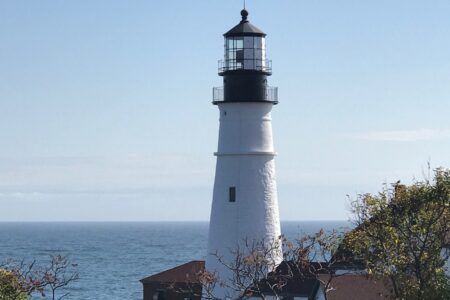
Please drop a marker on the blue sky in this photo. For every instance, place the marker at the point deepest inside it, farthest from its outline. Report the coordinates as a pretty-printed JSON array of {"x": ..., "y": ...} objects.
[{"x": 105, "y": 110}]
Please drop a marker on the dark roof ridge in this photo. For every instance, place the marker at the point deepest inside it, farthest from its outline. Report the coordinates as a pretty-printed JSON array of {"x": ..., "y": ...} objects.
[
  {"x": 244, "y": 28},
  {"x": 186, "y": 272}
]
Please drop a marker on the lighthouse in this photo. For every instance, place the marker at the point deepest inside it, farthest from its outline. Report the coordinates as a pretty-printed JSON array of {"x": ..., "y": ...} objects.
[{"x": 245, "y": 205}]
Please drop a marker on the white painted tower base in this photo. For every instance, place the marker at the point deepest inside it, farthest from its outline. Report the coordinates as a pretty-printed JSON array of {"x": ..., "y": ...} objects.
[{"x": 245, "y": 161}]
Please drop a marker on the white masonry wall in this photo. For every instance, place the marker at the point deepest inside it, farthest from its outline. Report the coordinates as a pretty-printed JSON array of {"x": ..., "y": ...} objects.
[{"x": 245, "y": 160}]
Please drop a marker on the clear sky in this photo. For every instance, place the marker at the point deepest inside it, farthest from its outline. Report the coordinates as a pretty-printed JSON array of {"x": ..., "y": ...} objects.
[{"x": 106, "y": 114}]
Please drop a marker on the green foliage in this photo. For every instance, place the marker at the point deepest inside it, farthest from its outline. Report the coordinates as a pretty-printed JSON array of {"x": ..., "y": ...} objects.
[
  {"x": 401, "y": 234},
  {"x": 10, "y": 286}
]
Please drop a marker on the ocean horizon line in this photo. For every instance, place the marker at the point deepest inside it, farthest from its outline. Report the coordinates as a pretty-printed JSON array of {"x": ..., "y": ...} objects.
[{"x": 159, "y": 221}]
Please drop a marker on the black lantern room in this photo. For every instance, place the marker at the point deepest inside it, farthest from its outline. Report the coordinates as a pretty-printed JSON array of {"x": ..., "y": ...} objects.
[{"x": 245, "y": 67}]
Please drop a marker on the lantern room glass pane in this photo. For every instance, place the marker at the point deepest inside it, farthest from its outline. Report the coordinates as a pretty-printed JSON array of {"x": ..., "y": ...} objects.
[
  {"x": 258, "y": 42},
  {"x": 239, "y": 43},
  {"x": 258, "y": 54},
  {"x": 239, "y": 58},
  {"x": 248, "y": 42},
  {"x": 230, "y": 43},
  {"x": 247, "y": 52},
  {"x": 249, "y": 64}
]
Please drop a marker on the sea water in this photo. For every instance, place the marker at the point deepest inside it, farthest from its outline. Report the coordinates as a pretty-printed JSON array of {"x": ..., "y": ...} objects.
[{"x": 111, "y": 258}]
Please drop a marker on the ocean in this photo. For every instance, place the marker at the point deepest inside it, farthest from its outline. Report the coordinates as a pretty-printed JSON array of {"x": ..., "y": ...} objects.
[{"x": 113, "y": 257}]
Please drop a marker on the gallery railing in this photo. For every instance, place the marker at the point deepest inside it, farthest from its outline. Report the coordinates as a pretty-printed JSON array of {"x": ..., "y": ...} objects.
[{"x": 245, "y": 64}]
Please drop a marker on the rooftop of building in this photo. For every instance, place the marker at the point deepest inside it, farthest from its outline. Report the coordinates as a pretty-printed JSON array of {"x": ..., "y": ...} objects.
[
  {"x": 357, "y": 287},
  {"x": 185, "y": 273},
  {"x": 344, "y": 287}
]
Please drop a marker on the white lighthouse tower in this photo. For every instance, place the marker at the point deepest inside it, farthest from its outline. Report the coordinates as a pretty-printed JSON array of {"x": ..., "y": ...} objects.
[{"x": 245, "y": 204}]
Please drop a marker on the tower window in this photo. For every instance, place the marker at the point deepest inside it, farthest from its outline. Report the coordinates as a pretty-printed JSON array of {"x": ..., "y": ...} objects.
[{"x": 232, "y": 194}]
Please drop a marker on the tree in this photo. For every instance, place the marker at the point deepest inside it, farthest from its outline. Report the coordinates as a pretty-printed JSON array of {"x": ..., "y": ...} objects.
[
  {"x": 315, "y": 257},
  {"x": 256, "y": 274},
  {"x": 10, "y": 286},
  {"x": 59, "y": 274},
  {"x": 401, "y": 235},
  {"x": 21, "y": 280},
  {"x": 251, "y": 271}
]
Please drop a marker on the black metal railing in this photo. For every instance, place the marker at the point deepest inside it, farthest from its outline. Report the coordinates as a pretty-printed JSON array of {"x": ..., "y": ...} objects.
[
  {"x": 270, "y": 94},
  {"x": 245, "y": 64}
]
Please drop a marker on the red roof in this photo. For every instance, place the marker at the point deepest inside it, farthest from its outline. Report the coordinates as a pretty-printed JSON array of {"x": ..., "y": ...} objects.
[
  {"x": 187, "y": 272},
  {"x": 357, "y": 287}
]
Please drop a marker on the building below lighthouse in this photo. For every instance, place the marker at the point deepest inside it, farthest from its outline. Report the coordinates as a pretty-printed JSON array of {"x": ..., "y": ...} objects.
[{"x": 245, "y": 205}]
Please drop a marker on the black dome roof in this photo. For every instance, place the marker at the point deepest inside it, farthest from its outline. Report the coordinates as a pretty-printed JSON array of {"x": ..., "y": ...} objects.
[{"x": 244, "y": 28}]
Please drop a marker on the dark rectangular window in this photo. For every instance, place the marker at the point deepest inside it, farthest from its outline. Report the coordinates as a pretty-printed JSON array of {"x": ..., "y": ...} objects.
[{"x": 232, "y": 194}]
